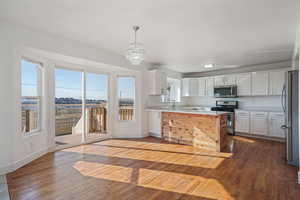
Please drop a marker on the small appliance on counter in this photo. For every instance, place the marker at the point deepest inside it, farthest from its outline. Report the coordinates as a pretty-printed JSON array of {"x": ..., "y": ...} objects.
[
  {"x": 226, "y": 91},
  {"x": 227, "y": 106}
]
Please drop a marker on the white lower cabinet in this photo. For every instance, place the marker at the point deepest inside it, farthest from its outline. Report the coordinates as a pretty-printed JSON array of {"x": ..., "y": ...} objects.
[
  {"x": 242, "y": 121},
  {"x": 259, "y": 123},
  {"x": 276, "y": 120},
  {"x": 154, "y": 123}
]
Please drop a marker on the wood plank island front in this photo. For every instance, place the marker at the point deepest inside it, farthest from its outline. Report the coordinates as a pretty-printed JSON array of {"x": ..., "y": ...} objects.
[{"x": 208, "y": 131}]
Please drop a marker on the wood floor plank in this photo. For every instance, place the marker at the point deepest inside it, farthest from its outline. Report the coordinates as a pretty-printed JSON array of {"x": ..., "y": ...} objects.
[{"x": 152, "y": 169}]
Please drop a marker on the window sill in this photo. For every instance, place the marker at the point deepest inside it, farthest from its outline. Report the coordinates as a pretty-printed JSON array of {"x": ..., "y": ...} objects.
[
  {"x": 32, "y": 133},
  {"x": 127, "y": 121}
]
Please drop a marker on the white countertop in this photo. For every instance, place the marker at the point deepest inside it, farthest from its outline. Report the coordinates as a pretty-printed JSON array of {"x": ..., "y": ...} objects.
[{"x": 178, "y": 110}]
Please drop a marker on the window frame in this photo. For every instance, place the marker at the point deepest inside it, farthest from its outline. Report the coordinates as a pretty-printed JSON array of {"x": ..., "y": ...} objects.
[
  {"x": 117, "y": 99},
  {"x": 40, "y": 86}
]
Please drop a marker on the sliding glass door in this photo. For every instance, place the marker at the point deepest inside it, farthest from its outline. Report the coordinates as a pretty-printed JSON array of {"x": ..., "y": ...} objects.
[
  {"x": 68, "y": 107},
  {"x": 96, "y": 106},
  {"x": 81, "y": 107}
]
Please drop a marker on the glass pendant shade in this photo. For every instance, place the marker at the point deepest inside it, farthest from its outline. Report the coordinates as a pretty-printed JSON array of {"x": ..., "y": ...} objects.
[{"x": 135, "y": 53}]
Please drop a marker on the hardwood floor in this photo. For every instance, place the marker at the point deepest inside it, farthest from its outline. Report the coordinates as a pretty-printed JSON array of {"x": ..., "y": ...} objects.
[{"x": 149, "y": 168}]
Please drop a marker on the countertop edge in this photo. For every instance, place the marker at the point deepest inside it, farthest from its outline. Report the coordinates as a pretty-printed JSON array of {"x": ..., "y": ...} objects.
[{"x": 215, "y": 113}]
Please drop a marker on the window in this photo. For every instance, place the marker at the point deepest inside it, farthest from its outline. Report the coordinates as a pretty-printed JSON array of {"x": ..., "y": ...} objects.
[
  {"x": 126, "y": 97},
  {"x": 174, "y": 86},
  {"x": 31, "y": 96}
]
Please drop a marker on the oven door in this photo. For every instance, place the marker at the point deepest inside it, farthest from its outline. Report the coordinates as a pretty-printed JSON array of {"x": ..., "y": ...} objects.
[{"x": 230, "y": 124}]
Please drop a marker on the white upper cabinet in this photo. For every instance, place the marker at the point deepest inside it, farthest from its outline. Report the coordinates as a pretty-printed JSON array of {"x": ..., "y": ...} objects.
[
  {"x": 185, "y": 87},
  {"x": 157, "y": 81},
  {"x": 209, "y": 86},
  {"x": 202, "y": 87},
  {"x": 225, "y": 80},
  {"x": 276, "y": 82},
  {"x": 243, "y": 82},
  {"x": 190, "y": 87},
  {"x": 260, "y": 83},
  {"x": 259, "y": 123},
  {"x": 219, "y": 81},
  {"x": 275, "y": 122},
  {"x": 193, "y": 87},
  {"x": 198, "y": 86}
]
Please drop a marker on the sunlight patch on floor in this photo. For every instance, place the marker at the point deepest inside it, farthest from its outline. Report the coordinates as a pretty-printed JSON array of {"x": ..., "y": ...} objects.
[
  {"x": 244, "y": 139},
  {"x": 104, "y": 171},
  {"x": 182, "y": 183},
  {"x": 159, "y": 147},
  {"x": 204, "y": 161},
  {"x": 155, "y": 179}
]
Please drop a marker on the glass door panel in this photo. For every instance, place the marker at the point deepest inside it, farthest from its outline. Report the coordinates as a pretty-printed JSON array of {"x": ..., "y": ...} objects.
[
  {"x": 96, "y": 106},
  {"x": 68, "y": 107}
]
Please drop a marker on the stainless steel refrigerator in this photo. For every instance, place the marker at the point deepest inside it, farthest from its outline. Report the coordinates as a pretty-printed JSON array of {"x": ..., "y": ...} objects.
[{"x": 290, "y": 106}]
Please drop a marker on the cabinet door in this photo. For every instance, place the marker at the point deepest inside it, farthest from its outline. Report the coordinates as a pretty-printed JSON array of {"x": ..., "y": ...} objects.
[
  {"x": 193, "y": 85},
  {"x": 185, "y": 87},
  {"x": 276, "y": 82},
  {"x": 229, "y": 80},
  {"x": 157, "y": 81},
  {"x": 225, "y": 80},
  {"x": 242, "y": 121},
  {"x": 209, "y": 86},
  {"x": 275, "y": 122},
  {"x": 260, "y": 83},
  {"x": 219, "y": 81},
  {"x": 162, "y": 81},
  {"x": 154, "y": 118},
  {"x": 259, "y": 123},
  {"x": 243, "y": 82},
  {"x": 201, "y": 87}
]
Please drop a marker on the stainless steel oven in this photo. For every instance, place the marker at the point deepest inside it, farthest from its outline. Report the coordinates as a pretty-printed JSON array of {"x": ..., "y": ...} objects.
[
  {"x": 228, "y": 91},
  {"x": 227, "y": 106}
]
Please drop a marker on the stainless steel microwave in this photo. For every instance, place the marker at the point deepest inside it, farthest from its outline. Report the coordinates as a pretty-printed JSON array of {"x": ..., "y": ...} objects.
[{"x": 226, "y": 91}]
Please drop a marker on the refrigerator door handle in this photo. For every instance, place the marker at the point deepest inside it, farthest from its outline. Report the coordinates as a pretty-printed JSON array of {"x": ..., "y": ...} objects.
[{"x": 283, "y": 94}]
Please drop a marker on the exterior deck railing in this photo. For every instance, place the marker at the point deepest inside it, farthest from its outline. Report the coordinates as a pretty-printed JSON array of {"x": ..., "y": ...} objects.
[{"x": 67, "y": 118}]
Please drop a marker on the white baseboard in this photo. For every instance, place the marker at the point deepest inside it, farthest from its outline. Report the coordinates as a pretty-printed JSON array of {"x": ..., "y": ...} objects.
[
  {"x": 155, "y": 135},
  {"x": 20, "y": 163}
]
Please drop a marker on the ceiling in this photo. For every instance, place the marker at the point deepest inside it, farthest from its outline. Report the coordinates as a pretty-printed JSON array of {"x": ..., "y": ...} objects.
[{"x": 182, "y": 35}]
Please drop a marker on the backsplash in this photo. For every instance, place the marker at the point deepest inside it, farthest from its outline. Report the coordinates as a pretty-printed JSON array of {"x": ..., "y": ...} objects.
[
  {"x": 155, "y": 101},
  {"x": 270, "y": 102},
  {"x": 254, "y": 102}
]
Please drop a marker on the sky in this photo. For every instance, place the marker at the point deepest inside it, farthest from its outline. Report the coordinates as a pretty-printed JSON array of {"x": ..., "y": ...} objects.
[{"x": 68, "y": 83}]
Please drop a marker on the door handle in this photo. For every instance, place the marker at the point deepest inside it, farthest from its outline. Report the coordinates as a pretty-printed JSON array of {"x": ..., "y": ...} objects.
[{"x": 285, "y": 127}]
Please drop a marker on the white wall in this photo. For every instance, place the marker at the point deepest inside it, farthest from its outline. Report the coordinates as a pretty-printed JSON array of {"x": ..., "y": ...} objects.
[
  {"x": 296, "y": 65},
  {"x": 15, "y": 149},
  {"x": 6, "y": 104}
]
